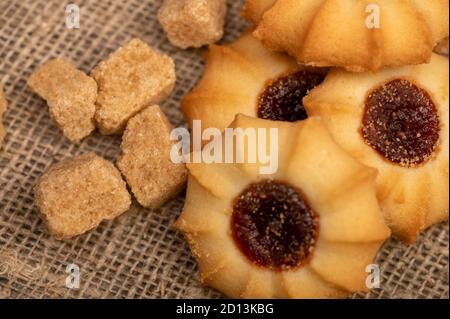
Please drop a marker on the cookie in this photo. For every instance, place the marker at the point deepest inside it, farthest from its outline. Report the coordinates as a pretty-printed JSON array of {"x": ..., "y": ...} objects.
[
  {"x": 254, "y": 10},
  {"x": 308, "y": 230},
  {"x": 246, "y": 78},
  {"x": 356, "y": 35},
  {"x": 396, "y": 121}
]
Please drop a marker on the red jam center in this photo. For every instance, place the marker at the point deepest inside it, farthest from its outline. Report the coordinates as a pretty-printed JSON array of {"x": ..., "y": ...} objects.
[
  {"x": 282, "y": 98},
  {"x": 273, "y": 225},
  {"x": 401, "y": 123}
]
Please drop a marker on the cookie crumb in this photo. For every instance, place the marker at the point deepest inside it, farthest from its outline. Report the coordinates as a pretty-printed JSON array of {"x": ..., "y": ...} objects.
[
  {"x": 75, "y": 195},
  {"x": 70, "y": 95},
  {"x": 131, "y": 78},
  {"x": 193, "y": 23},
  {"x": 146, "y": 162}
]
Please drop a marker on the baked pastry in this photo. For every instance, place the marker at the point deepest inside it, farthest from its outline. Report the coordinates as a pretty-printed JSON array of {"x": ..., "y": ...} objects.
[
  {"x": 2, "y": 110},
  {"x": 309, "y": 230},
  {"x": 396, "y": 121},
  {"x": 246, "y": 78},
  {"x": 357, "y": 35},
  {"x": 254, "y": 10}
]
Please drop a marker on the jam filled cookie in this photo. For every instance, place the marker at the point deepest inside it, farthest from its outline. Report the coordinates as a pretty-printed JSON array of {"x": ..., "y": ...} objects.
[
  {"x": 357, "y": 35},
  {"x": 396, "y": 121},
  {"x": 309, "y": 230},
  {"x": 246, "y": 78}
]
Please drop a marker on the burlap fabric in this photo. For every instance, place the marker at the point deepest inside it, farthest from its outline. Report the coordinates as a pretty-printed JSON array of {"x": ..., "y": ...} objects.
[{"x": 139, "y": 255}]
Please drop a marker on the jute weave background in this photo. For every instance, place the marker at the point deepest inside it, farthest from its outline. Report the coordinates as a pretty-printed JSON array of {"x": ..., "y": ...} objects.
[{"x": 139, "y": 255}]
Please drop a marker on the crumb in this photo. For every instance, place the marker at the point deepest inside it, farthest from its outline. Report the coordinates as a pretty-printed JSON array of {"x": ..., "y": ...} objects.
[
  {"x": 70, "y": 95},
  {"x": 193, "y": 23},
  {"x": 75, "y": 195},
  {"x": 133, "y": 77},
  {"x": 146, "y": 162}
]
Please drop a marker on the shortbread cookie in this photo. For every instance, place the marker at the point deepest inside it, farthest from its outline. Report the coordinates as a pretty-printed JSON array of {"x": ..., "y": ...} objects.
[
  {"x": 358, "y": 35},
  {"x": 309, "y": 230},
  {"x": 254, "y": 10},
  {"x": 133, "y": 77},
  {"x": 2, "y": 110},
  {"x": 396, "y": 121},
  {"x": 75, "y": 195},
  {"x": 146, "y": 162},
  {"x": 70, "y": 95},
  {"x": 193, "y": 23},
  {"x": 246, "y": 78}
]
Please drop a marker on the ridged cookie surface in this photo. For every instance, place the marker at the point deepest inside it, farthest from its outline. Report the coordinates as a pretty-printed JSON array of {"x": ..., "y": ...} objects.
[{"x": 357, "y": 35}]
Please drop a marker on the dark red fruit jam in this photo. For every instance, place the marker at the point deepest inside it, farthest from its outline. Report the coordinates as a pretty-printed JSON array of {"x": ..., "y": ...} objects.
[
  {"x": 282, "y": 98},
  {"x": 401, "y": 123},
  {"x": 273, "y": 225}
]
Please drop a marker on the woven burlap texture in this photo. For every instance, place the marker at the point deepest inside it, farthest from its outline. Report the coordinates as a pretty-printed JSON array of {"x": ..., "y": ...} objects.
[{"x": 138, "y": 255}]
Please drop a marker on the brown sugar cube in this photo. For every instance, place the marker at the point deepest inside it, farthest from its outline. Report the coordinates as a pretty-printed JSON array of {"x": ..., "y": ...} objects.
[
  {"x": 75, "y": 195},
  {"x": 193, "y": 23},
  {"x": 133, "y": 77},
  {"x": 146, "y": 162},
  {"x": 2, "y": 110},
  {"x": 70, "y": 95}
]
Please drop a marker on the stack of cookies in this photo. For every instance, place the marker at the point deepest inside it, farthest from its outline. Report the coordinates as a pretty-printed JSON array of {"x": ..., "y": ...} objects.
[{"x": 360, "y": 104}]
